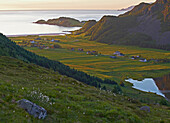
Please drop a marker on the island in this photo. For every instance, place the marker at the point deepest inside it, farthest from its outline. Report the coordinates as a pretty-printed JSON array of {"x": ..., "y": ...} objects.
[{"x": 62, "y": 21}]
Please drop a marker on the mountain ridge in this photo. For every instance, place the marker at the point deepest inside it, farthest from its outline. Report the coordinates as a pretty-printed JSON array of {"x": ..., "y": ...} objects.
[{"x": 146, "y": 25}]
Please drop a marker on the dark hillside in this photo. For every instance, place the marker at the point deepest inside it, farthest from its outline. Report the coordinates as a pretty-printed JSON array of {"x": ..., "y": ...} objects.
[
  {"x": 9, "y": 48},
  {"x": 146, "y": 25},
  {"x": 85, "y": 27}
]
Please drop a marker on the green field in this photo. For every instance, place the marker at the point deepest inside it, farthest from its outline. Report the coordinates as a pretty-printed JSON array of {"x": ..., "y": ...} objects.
[
  {"x": 66, "y": 99},
  {"x": 102, "y": 65}
]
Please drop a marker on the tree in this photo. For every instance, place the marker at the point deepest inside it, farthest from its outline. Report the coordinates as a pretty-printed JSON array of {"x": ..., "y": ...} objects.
[
  {"x": 122, "y": 84},
  {"x": 104, "y": 88},
  {"x": 117, "y": 89}
]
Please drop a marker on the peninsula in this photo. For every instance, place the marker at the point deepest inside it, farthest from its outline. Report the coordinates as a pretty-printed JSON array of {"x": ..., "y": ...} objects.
[{"x": 62, "y": 21}]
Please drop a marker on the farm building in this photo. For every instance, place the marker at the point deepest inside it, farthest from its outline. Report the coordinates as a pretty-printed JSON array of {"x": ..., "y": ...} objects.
[{"x": 143, "y": 60}]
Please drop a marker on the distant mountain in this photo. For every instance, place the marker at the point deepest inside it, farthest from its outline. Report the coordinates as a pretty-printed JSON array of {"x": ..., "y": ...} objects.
[
  {"x": 62, "y": 21},
  {"x": 146, "y": 25},
  {"x": 127, "y": 9}
]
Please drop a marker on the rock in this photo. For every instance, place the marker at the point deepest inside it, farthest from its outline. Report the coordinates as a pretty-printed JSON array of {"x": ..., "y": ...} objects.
[
  {"x": 145, "y": 108},
  {"x": 32, "y": 108}
]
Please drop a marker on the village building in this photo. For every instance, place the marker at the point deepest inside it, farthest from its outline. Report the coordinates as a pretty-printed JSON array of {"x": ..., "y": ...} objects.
[
  {"x": 116, "y": 53},
  {"x": 121, "y": 54},
  {"x": 80, "y": 49},
  {"x": 143, "y": 60},
  {"x": 88, "y": 52},
  {"x": 52, "y": 40},
  {"x": 32, "y": 108},
  {"x": 72, "y": 49},
  {"x": 32, "y": 42},
  {"x": 133, "y": 58},
  {"x": 138, "y": 56}
]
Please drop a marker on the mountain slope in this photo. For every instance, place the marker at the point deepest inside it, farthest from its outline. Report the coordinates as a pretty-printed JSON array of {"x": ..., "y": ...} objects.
[
  {"x": 147, "y": 25},
  {"x": 127, "y": 9},
  {"x": 85, "y": 27},
  {"x": 64, "y": 98}
]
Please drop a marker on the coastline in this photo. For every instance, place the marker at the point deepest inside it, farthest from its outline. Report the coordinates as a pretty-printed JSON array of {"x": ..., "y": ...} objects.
[{"x": 45, "y": 34}]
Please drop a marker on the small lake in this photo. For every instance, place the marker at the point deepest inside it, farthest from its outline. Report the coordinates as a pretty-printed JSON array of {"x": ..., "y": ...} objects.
[{"x": 160, "y": 86}]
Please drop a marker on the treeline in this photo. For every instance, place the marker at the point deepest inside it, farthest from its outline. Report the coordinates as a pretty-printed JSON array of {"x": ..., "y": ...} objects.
[{"x": 9, "y": 48}]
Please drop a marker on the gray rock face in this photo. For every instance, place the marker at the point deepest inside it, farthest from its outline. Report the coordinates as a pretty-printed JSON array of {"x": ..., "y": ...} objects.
[
  {"x": 145, "y": 108},
  {"x": 32, "y": 108}
]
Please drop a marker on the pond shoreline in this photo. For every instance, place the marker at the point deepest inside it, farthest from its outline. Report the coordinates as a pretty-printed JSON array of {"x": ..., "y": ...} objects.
[{"x": 149, "y": 85}]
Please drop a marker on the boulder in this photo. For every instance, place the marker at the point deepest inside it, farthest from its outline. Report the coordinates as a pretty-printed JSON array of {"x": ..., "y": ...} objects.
[
  {"x": 145, "y": 108},
  {"x": 32, "y": 108}
]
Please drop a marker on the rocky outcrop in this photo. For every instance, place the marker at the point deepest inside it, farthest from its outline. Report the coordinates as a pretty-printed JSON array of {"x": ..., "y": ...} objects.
[
  {"x": 32, "y": 108},
  {"x": 62, "y": 21},
  {"x": 145, "y": 108}
]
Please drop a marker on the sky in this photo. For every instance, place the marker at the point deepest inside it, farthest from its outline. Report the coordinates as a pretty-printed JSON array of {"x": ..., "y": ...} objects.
[{"x": 68, "y": 4}]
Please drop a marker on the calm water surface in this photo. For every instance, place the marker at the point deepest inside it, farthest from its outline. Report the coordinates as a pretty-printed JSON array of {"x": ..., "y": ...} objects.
[
  {"x": 160, "y": 86},
  {"x": 20, "y": 22}
]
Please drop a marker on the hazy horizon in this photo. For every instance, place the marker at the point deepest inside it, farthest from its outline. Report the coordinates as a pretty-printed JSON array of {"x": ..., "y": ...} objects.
[{"x": 68, "y": 4}]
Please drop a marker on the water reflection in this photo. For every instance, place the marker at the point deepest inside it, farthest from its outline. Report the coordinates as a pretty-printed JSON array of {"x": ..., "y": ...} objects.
[
  {"x": 160, "y": 86},
  {"x": 147, "y": 85}
]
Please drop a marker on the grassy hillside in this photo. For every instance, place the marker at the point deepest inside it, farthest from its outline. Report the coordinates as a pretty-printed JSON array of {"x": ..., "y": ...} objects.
[
  {"x": 65, "y": 99},
  {"x": 102, "y": 65},
  {"x": 9, "y": 48}
]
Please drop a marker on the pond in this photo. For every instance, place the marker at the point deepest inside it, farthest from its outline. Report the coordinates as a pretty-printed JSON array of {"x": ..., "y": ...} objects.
[{"x": 160, "y": 86}]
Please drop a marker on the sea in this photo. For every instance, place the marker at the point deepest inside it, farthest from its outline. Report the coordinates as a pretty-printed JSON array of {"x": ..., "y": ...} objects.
[{"x": 21, "y": 22}]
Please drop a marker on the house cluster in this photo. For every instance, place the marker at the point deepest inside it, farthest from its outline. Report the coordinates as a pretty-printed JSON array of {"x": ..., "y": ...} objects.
[
  {"x": 39, "y": 45},
  {"x": 117, "y": 53},
  {"x": 139, "y": 58},
  {"x": 46, "y": 39},
  {"x": 92, "y": 53},
  {"x": 80, "y": 49}
]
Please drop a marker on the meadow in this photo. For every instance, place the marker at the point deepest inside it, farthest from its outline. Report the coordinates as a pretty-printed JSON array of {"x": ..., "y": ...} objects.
[
  {"x": 102, "y": 65},
  {"x": 66, "y": 99}
]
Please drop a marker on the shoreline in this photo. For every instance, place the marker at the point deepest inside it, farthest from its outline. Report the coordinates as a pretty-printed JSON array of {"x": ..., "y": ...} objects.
[{"x": 45, "y": 34}]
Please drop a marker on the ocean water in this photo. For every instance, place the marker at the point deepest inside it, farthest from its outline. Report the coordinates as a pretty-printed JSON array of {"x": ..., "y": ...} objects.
[{"x": 20, "y": 22}]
